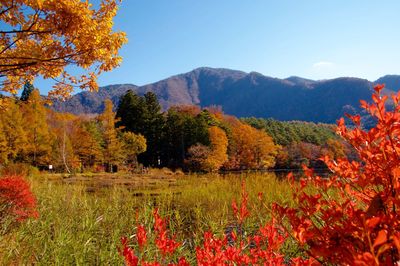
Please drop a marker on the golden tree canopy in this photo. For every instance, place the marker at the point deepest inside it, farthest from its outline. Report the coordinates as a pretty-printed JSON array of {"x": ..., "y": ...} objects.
[{"x": 43, "y": 37}]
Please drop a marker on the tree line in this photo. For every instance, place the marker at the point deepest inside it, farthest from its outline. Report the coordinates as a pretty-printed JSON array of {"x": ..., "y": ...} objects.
[
  {"x": 303, "y": 143},
  {"x": 33, "y": 134},
  {"x": 140, "y": 133},
  {"x": 192, "y": 138}
]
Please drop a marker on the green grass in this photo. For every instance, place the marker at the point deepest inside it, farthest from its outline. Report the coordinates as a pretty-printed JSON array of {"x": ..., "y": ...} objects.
[{"x": 80, "y": 228}]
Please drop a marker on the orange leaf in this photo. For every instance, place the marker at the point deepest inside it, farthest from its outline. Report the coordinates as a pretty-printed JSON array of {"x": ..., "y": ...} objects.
[
  {"x": 381, "y": 238},
  {"x": 396, "y": 241},
  {"x": 371, "y": 223}
]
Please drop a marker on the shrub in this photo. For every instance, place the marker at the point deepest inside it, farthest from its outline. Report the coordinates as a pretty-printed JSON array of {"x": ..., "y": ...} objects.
[
  {"x": 17, "y": 203},
  {"x": 354, "y": 217},
  {"x": 236, "y": 247}
]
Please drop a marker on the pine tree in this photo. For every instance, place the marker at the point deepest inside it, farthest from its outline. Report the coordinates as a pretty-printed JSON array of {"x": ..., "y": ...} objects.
[
  {"x": 142, "y": 115},
  {"x": 154, "y": 124},
  {"x": 183, "y": 129},
  {"x": 130, "y": 112},
  {"x": 28, "y": 89}
]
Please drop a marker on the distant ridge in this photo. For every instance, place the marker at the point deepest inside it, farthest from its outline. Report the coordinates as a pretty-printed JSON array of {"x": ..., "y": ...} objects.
[{"x": 245, "y": 94}]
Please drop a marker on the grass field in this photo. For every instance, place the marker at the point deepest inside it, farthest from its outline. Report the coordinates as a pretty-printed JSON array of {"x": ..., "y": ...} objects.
[{"x": 82, "y": 218}]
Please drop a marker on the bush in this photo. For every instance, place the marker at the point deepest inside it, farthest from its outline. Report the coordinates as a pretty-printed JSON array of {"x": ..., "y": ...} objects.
[
  {"x": 17, "y": 203},
  {"x": 354, "y": 217},
  {"x": 237, "y": 246}
]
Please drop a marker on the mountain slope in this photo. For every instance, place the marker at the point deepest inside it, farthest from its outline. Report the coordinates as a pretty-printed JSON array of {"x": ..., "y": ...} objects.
[
  {"x": 243, "y": 95},
  {"x": 92, "y": 102},
  {"x": 392, "y": 82}
]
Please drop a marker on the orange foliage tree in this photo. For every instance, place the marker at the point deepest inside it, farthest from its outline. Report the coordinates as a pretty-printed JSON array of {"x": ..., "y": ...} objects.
[
  {"x": 219, "y": 146},
  {"x": 250, "y": 148},
  {"x": 41, "y": 38},
  {"x": 353, "y": 217}
]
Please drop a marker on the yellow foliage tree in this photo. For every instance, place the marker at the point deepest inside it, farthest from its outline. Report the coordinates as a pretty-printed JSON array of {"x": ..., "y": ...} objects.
[
  {"x": 61, "y": 125},
  {"x": 12, "y": 135},
  {"x": 43, "y": 37},
  {"x": 249, "y": 148},
  {"x": 112, "y": 145},
  {"x": 218, "y": 152},
  {"x": 133, "y": 144},
  {"x": 38, "y": 148},
  {"x": 86, "y": 143}
]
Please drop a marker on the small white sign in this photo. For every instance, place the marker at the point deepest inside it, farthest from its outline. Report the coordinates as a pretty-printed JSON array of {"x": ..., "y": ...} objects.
[{"x": 50, "y": 167}]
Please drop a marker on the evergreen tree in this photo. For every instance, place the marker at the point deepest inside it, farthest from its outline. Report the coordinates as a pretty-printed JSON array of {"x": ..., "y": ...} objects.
[
  {"x": 142, "y": 115},
  {"x": 182, "y": 130},
  {"x": 130, "y": 112},
  {"x": 152, "y": 130},
  {"x": 28, "y": 89}
]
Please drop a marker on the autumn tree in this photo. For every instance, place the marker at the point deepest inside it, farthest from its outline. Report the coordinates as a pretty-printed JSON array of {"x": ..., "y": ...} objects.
[
  {"x": 249, "y": 148},
  {"x": 133, "y": 144},
  {"x": 42, "y": 38},
  {"x": 197, "y": 157},
  {"x": 13, "y": 138},
  {"x": 87, "y": 140},
  {"x": 112, "y": 145},
  {"x": 300, "y": 153},
  {"x": 38, "y": 148},
  {"x": 63, "y": 155},
  {"x": 218, "y": 149},
  {"x": 335, "y": 149},
  {"x": 209, "y": 158}
]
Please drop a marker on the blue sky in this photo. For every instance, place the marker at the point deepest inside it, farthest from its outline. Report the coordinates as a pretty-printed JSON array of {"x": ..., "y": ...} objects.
[{"x": 312, "y": 39}]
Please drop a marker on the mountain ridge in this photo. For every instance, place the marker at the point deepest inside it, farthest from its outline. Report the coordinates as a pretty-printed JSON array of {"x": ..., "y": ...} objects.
[{"x": 245, "y": 94}]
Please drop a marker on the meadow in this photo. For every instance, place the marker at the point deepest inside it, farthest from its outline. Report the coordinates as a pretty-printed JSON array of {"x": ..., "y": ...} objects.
[{"x": 81, "y": 223}]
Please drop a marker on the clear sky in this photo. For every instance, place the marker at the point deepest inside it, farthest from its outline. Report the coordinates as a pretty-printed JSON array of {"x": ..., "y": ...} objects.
[{"x": 312, "y": 39}]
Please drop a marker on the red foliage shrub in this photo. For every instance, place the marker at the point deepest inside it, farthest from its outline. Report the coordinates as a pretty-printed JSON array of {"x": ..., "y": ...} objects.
[
  {"x": 164, "y": 243},
  {"x": 16, "y": 199},
  {"x": 354, "y": 218},
  {"x": 260, "y": 248}
]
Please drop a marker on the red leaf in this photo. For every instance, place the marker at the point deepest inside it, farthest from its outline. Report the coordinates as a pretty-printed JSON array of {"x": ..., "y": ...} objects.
[
  {"x": 381, "y": 238},
  {"x": 371, "y": 223},
  {"x": 379, "y": 87}
]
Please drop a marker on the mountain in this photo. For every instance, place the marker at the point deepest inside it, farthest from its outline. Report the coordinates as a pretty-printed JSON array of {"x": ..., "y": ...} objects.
[
  {"x": 92, "y": 102},
  {"x": 392, "y": 82},
  {"x": 244, "y": 94}
]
